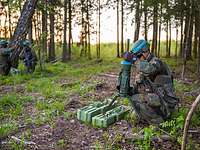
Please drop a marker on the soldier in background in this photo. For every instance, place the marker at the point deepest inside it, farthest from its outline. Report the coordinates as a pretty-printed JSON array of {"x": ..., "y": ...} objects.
[
  {"x": 28, "y": 56},
  {"x": 4, "y": 58},
  {"x": 152, "y": 97}
]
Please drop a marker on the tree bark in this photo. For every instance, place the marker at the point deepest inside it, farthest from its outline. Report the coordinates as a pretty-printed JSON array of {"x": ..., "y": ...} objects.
[
  {"x": 118, "y": 53},
  {"x": 159, "y": 33},
  {"x": 155, "y": 29},
  {"x": 9, "y": 20},
  {"x": 30, "y": 31},
  {"x": 70, "y": 30},
  {"x": 145, "y": 22},
  {"x": 88, "y": 29},
  {"x": 122, "y": 27},
  {"x": 44, "y": 31},
  {"x": 64, "y": 55},
  {"x": 198, "y": 25},
  {"x": 52, "y": 33},
  {"x": 21, "y": 29},
  {"x": 82, "y": 28},
  {"x": 170, "y": 38},
  {"x": 176, "y": 48},
  {"x": 99, "y": 32},
  {"x": 167, "y": 39},
  {"x": 186, "y": 42},
  {"x": 137, "y": 21},
  {"x": 181, "y": 41}
]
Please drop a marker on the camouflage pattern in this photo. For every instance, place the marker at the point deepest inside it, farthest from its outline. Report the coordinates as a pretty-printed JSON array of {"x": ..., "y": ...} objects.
[
  {"x": 30, "y": 59},
  {"x": 154, "y": 99},
  {"x": 4, "y": 61}
]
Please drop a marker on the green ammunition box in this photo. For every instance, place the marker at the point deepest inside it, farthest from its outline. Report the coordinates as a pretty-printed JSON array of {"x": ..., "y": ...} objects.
[
  {"x": 86, "y": 113},
  {"x": 110, "y": 117}
]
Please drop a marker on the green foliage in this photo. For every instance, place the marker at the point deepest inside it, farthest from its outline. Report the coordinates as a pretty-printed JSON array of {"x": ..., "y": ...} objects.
[
  {"x": 61, "y": 143},
  {"x": 145, "y": 143},
  {"x": 98, "y": 145},
  {"x": 18, "y": 145},
  {"x": 112, "y": 142},
  {"x": 7, "y": 128},
  {"x": 11, "y": 105}
]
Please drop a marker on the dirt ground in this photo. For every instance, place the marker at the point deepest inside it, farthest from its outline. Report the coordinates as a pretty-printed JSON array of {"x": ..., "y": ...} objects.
[{"x": 71, "y": 134}]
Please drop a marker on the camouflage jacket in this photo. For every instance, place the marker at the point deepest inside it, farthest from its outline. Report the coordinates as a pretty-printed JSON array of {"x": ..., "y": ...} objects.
[
  {"x": 4, "y": 56},
  {"x": 154, "y": 76}
]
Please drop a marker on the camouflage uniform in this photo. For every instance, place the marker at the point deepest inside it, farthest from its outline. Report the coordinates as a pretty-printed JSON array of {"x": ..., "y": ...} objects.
[
  {"x": 154, "y": 97},
  {"x": 29, "y": 57},
  {"x": 4, "y": 58}
]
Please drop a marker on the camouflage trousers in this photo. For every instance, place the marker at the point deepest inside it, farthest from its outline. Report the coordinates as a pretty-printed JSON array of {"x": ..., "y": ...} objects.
[
  {"x": 4, "y": 69},
  {"x": 148, "y": 107}
]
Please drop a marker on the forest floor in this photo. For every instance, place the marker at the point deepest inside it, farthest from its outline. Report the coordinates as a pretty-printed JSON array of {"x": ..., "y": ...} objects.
[{"x": 39, "y": 111}]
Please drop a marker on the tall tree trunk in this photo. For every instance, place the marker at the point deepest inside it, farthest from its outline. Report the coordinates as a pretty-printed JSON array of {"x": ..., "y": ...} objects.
[
  {"x": 170, "y": 38},
  {"x": 99, "y": 32},
  {"x": 21, "y": 29},
  {"x": 176, "y": 48},
  {"x": 145, "y": 22},
  {"x": 9, "y": 20},
  {"x": 188, "y": 21},
  {"x": 159, "y": 33},
  {"x": 88, "y": 29},
  {"x": 167, "y": 40},
  {"x": 137, "y": 21},
  {"x": 5, "y": 27},
  {"x": 44, "y": 31},
  {"x": 70, "y": 29},
  {"x": 85, "y": 44},
  {"x": 190, "y": 37},
  {"x": 198, "y": 32},
  {"x": 52, "y": 33},
  {"x": 186, "y": 42},
  {"x": 82, "y": 28},
  {"x": 155, "y": 29},
  {"x": 181, "y": 41},
  {"x": 195, "y": 38},
  {"x": 122, "y": 27},
  {"x": 118, "y": 53},
  {"x": 30, "y": 31},
  {"x": 64, "y": 55}
]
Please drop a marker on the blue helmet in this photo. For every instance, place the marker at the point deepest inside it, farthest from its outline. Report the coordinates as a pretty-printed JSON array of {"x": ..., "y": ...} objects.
[{"x": 140, "y": 46}]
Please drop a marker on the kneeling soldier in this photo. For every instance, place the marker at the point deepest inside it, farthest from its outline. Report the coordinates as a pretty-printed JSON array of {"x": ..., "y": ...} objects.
[
  {"x": 152, "y": 95},
  {"x": 28, "y": 56},
  {"x": 4, "y": 58}
]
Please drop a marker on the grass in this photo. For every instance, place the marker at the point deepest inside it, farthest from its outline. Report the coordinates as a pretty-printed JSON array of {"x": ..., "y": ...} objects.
[
  {"x": 51, "y": 97},
  {"x": 47, "y": 94}
]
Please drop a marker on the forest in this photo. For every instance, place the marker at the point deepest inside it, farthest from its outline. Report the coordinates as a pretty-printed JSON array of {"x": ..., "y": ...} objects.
[{"x": 77, "y": 51}]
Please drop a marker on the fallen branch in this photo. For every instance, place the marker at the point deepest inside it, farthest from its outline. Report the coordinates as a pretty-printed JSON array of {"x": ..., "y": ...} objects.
[
  {"x": 22, "y": 141},
  {"x": 187, "y": 122}
]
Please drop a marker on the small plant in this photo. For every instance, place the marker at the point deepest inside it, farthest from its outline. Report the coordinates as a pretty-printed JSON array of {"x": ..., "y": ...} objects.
[
  {"x": 7, "y": 128},
  {"x": 61, "y": 143},
  {"x": 98, "y": 145},
  {"x": 145, "y": 143},
  {"x": 112, "y": 141}
]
